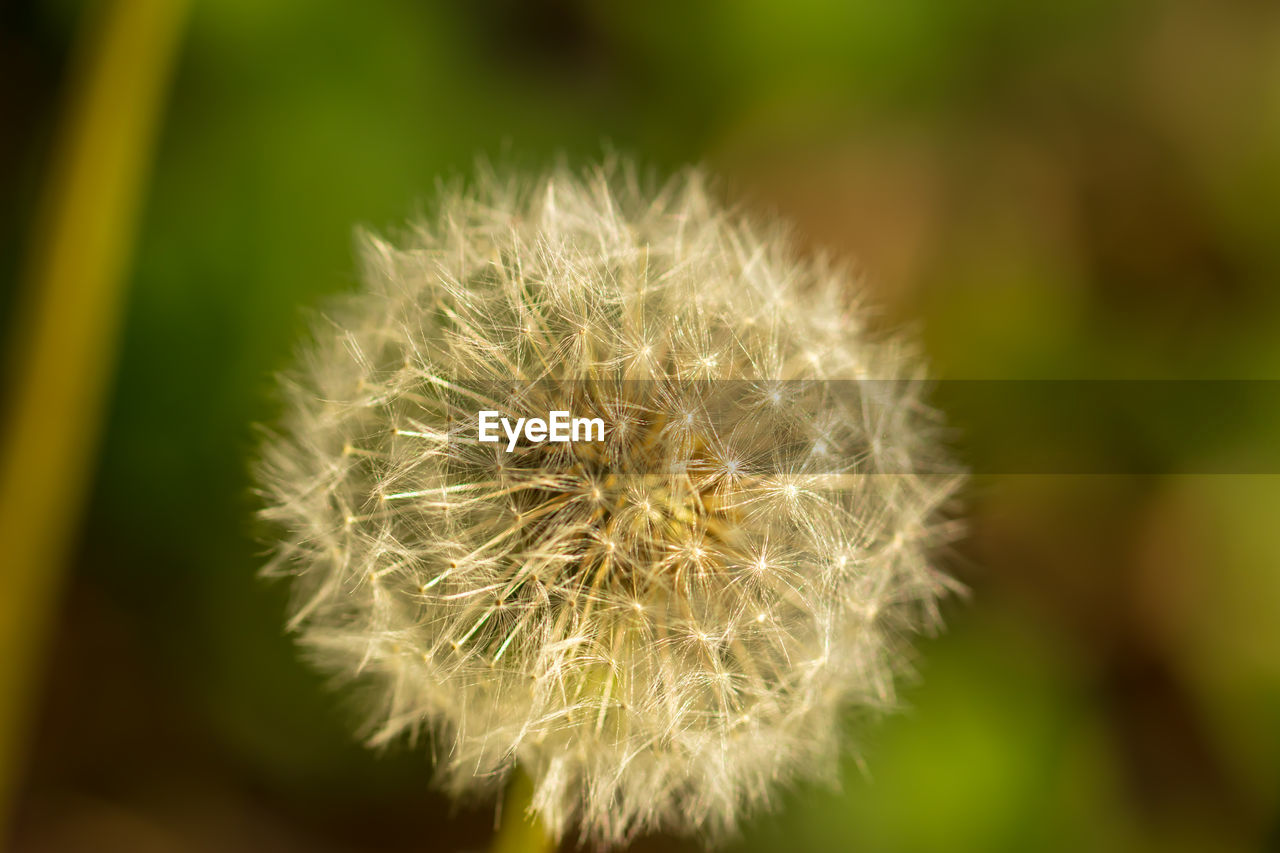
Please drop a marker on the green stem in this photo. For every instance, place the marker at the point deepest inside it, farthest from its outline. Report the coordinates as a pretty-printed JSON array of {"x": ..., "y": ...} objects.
[
  {"x": 521, "y": 831},
  {"x": 65, "y": 329}
]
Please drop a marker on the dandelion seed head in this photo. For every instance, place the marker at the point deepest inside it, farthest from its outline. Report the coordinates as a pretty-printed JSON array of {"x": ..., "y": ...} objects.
[{"x": 663, "y": 627}]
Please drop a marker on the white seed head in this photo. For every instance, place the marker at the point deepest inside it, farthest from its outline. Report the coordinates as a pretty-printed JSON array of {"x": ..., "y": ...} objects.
[{"x": 658, "y": 628}]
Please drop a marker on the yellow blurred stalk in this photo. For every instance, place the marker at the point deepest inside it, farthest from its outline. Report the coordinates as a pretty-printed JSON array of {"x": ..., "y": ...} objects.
[
  {"x": 520, "y": 831},
  {"x": 66, "y": 324}
]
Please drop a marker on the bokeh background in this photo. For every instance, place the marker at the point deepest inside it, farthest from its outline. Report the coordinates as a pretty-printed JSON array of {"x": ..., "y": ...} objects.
[{"x": 1075, "y": 190}]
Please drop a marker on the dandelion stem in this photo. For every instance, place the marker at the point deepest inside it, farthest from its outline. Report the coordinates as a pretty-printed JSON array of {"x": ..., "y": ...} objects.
[{"x": 520, "y": 831}]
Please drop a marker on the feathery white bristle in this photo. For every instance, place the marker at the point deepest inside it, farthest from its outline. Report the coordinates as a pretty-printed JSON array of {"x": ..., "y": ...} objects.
[{"x": 659, "y": 628}]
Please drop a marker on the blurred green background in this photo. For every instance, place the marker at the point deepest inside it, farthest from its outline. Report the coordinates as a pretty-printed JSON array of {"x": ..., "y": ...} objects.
[{"x": 1069, "y": 190}]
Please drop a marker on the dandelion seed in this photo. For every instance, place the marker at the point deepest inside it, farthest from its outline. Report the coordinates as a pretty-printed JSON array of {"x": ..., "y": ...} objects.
[{"x": 660, "y": 628}]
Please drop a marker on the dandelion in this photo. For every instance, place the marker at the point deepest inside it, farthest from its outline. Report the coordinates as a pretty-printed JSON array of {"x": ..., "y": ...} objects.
[{"x": 660, "y": 627}]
